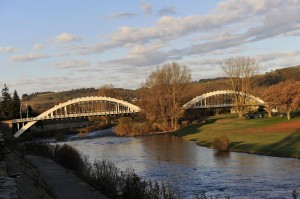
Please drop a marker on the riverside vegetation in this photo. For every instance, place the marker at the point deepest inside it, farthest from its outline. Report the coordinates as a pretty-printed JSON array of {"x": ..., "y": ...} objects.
[{"x": 103, "y": 175}]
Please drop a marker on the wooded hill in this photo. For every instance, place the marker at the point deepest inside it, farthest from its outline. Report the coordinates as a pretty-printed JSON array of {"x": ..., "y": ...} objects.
[{"x": 41, "y": 102}]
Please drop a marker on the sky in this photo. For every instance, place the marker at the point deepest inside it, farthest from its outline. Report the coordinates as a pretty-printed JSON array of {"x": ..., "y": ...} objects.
[{"x": 60, "y": 45}]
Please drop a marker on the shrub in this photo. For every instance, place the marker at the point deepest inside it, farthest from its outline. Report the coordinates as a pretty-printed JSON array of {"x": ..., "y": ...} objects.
[
  {"x": 34, "y": 148},
  {"x": 221, "y": 143},
  {"x": 124, "y": 126},
  {"x": 141, "y": 128},
  {"x": 105, "y": 177},
  {"x": 68, "y": 157}
]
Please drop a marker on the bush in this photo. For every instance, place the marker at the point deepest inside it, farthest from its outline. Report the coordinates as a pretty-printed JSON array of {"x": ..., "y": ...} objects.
[
  {"x": 124, "y": 126},
  {"x": 141, "y": 128},
  {"x": 221, "y": 143},
  {"x": 68, "y": 157},
  {"x": 105, "y": 178},
  {"x": 127, "y": 127}
]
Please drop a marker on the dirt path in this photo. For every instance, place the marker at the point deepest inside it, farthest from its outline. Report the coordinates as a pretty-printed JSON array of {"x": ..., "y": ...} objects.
[
  {"x": 63, "y": 183},
  {"x": 28, "y": 185}
]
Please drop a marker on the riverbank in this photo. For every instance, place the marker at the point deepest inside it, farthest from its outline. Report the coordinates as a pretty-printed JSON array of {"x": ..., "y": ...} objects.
[
  {"x": 23, "y": 180},
  {"x": 62, "y": 182},
  {"x": 265, "y": 136}
]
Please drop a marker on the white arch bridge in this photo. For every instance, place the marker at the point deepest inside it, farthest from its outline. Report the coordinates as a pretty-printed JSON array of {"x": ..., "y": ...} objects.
[
  {"x": 79, "y": 108},
  {"x": 222, "y": 99}
]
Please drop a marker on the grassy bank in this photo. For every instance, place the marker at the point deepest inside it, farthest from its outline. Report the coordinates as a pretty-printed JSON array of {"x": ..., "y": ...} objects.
[{"x": 269, "y": 136}]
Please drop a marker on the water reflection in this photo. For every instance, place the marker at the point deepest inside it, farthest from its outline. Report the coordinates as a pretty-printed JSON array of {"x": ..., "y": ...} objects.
[
  {"x": 197, "y": 169},
  {"x": 222, "y": 154},
  {"x": 167, "y": 148}
]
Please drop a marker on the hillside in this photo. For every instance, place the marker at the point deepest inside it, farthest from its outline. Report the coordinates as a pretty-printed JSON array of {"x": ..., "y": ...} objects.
[
  {"x": 279, "y": 75},
  {"x": 43, "y": 101}
]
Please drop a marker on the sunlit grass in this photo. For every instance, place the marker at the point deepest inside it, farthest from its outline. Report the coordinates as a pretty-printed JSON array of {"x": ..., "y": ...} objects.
[{"x": 272, "y": 136}]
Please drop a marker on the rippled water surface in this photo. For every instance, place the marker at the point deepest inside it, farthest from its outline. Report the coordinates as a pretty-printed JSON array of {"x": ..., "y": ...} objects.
[{"x": 196, "y": 169}]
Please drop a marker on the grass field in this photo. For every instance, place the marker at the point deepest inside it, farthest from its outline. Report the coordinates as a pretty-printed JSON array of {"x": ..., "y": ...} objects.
[{"x": 269, "y": 136}]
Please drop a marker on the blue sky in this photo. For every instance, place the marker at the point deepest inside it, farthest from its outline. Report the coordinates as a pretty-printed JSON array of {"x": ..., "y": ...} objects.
[{"x": 67, "y": 44}]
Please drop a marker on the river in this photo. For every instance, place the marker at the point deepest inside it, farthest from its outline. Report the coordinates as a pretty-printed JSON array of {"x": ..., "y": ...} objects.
[{"x": 193, "y": 169}]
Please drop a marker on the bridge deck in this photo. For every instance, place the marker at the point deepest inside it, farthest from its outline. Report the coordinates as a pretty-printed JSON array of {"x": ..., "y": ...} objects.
[{"x": 67, "y": 116}]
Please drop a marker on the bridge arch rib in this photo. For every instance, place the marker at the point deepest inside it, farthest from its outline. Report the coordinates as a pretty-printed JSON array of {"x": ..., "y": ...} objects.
[
  {"x": 200, "y": 101},
  {"x": 109, "y": 106}
]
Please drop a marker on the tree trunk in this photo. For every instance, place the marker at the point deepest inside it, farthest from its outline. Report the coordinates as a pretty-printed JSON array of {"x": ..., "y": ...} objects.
[
  {"x": 288, "y": 114},
  {"x": 269, "y": 110},
  {"x": 241, "y": 111},
  {"x": 269, "y": 113},
  {"x": 240, "y": 114}
]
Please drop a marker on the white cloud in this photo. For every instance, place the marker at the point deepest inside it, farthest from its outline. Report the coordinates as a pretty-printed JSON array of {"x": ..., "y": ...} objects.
[
  {"x": 231, "y": 24},
  {"x": 38, "y": 46},
  {"x": 166, "y": 11},
  {"x": 7, "y": 49},
  {"x": 66, "y": 37},
  {"x": 71, "y": 64},
  {"x": 97, "y": 48},
  {"x": 269, "y": 57},
  {"x": 28, "y": 57},
  {"x": 146, "y": 8},
  {"x": 142, "y": 55},
  {"x": 56, "y": 83},
  {"x": 122, "y": 15}
]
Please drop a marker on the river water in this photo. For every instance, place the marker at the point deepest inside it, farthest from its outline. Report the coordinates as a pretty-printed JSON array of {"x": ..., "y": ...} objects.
[{"x": 193, "y": 169}]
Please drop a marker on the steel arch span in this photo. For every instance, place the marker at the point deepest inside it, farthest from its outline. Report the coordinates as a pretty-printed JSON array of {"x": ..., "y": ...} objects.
[
  {"x": 80, "y": 107},
  {"x": 221, "y": 99}
]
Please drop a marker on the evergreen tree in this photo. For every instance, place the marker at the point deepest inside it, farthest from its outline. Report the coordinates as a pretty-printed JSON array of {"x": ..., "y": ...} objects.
[
  {"x": 5, "y": 101},
  {"x": 30, "y": 112},
  {"x": 15, "y": 106}
]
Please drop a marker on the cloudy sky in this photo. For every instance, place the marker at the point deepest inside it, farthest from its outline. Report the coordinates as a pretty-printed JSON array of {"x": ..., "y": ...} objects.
[{"x": 67, "y": 44}]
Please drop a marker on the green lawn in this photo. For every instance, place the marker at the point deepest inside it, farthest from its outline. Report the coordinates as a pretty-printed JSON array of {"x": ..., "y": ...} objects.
[{"x": 270, "y": 136}]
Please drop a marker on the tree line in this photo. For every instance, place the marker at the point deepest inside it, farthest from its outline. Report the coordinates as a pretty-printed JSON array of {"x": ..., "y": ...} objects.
[
  {"x": 170, "y": 86},
  {"x": 165, "y": 91},
  {"x": 10, "y": 105}
]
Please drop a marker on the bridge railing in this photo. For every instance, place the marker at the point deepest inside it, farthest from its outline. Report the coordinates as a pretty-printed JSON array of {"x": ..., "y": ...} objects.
[
  {"x": 72, "y": 115},
  {"x": 213, "y": 106}
]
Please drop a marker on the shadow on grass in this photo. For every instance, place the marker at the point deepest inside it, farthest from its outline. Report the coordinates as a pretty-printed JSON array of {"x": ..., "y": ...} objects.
[
  {"x": 193, "y": 128},
  {"x": 287, "y": 147},
  {"x": 233, "y": 144}
]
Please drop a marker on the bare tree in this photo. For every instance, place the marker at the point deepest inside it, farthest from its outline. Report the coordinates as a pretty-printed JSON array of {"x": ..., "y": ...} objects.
[
  {"x": 107, "y": 90},
  {"x": 267, "y": 94},
  {"x": 240, "y": 72},
  {"x": 164, "y": 92}
]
